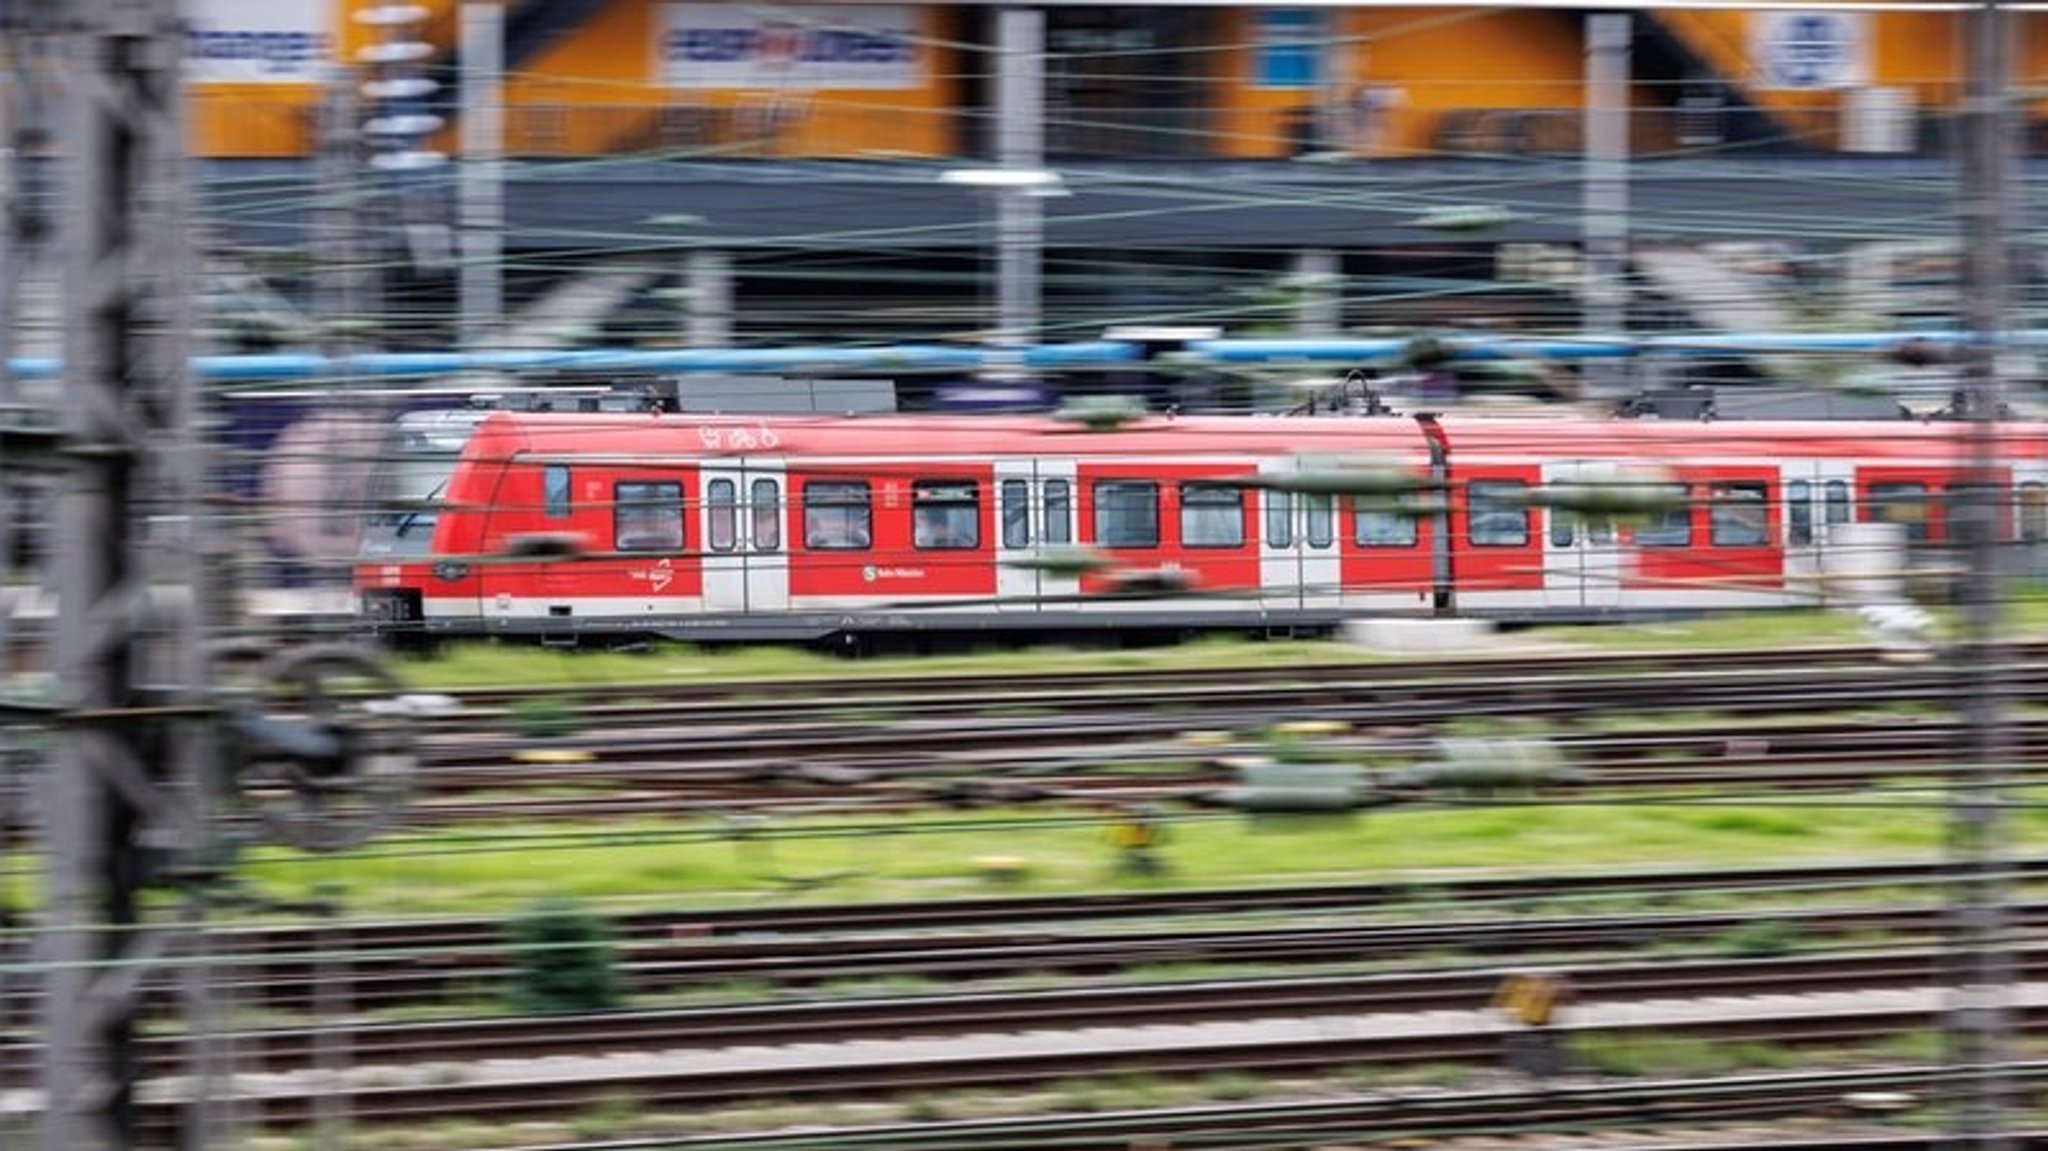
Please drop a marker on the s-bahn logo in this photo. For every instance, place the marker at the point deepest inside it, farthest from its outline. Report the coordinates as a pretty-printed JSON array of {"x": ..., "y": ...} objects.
[
  {"x": 1810, "y": 51},
  {"x": 790, "y": 45}
]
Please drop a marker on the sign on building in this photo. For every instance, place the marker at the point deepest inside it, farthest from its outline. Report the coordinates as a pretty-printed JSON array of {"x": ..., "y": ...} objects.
[
  {"x": 788, "y": 46},
  {"x": 1811, "y": 50},
  {"x": 257, "y": 41}
]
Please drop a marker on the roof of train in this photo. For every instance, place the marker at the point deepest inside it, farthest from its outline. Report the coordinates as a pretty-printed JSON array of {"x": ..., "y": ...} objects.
[{"x": 1586, "y": 437}]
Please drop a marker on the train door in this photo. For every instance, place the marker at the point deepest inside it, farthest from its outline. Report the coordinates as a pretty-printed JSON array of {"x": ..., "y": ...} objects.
[
  {"x": 1034, "y": 517},
  {"x": 744, "y": 529},
  {"x": 2030, "y": 516},
  {"x": 1582, "y": 554},
  {"x": 1299, "y": 564},
  {"x": 1817, "y": 495}
]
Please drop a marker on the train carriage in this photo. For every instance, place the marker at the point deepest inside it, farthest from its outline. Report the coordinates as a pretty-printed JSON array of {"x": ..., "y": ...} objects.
[{"x": 810, "y": 526}]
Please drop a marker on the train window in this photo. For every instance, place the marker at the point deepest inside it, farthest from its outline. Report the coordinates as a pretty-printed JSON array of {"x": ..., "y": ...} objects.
[
  {"x": 1836, "y": 497},
  {"x": 1279, "y": 519},
  {"x": 1738, "y": 516},
  {"x": 1016, "y": 500},
  {"x": 2033, "y": 511},
  {"x": 554, "y": 484},
  {"x": 1564, "y": 528},
  {"x": 945, "y": 514},
  {"x": 1211, "y": 516},
  {"x": 720, "y": 515},
  {"x": 1320, "y": 510},
  {"x": 1973, "y": 511},
  {"x": 647, "y": 516},
  {"x": 1381, "y": 527},
  {"x": 1799, "y": 512},
  {"x": 1671, "y": 527},
  {"x": 1900, "y": 503},
  {"x": 1498, "y": 511},
  {"x": 1126, "y": 514},
  {"x": 837, "y": 515},
  {"x": 766, "y": 497},
  {"x": 1059, "y": 513}
]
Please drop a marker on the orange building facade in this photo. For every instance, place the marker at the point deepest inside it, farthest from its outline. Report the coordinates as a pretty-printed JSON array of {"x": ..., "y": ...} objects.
[{"x": 688, "y": 78}]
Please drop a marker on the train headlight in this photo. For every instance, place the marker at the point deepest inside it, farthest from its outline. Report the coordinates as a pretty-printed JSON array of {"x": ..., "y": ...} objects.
[{"x": 450, "y": 570}]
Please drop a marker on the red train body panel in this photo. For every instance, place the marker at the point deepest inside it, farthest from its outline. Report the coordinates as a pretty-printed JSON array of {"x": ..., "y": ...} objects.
[{"x": 805, "y": 526}]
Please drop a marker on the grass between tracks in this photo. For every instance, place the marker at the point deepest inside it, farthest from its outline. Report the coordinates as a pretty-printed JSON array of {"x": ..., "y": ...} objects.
[{"x": 714, "y": 863}]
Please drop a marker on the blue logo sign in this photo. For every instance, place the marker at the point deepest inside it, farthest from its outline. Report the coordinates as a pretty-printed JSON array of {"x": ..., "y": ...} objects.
[{"x": 1812, "y": 50}]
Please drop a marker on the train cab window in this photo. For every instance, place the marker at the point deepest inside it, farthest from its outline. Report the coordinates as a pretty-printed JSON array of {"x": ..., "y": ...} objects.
[
  {"x": 1015, "y": 496},
  {"x": 1319, "y": 509},
  {"x": 1901, "y": 503},
  {"x": 647, "y": 516},
  {"x": 1835, "y": 498},
  {"x": 1799, "y": 513},
  {"x": 1126, "y": 514},
  {"x": 1381, "y": 527},
  {"x": 1211, "y": 516},
  {"x": 1498, "y": 511},
  {"x": 554, "y": 484},
  {"x": 1672, "y": 526},
  {"x": 1279, "y": 519},
  {"x": 721, "y": 516},
  {"x": 837, "y": 515},
  {"x": 2033, "y": 511},
  {"x": 765, "y": 499},
  {"x": 1738, "y": 516},
  {"x": 945, "y": 514},
  {"x": 1059, "y": 513}
]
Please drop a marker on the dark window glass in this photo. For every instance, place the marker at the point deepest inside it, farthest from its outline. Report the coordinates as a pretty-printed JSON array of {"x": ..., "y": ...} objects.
[
  {"x": 1671, "y": 527},
  {"x": 1126, "y": 514},
  {"x": 2033, "y": 512},
  {"x": 1211, "y": 516},
  {"x": 722, "y": 523},
  {"x": 1903, "y": 503},
  {"x": 1498, "y": 511},
  {"x": 1381, "y": 527},
  {"x": 945, "y": 514},
  {"x": 647, "y": 516},
  {"x": 1836, "y": 498},
  {"x": 766, "y": 496},
  {"x": 1059, "y": 513},
  {"x": 554, "y": 481},
  {"x": 1016, "y": 500},
  {"x": 1799, "y": 512},
  {"x": 1320, "y": 510},
  {"x": 1739, "y": 516},
  {"x": 1973, "y": 512},
  {"x": 837, "y": 516},
  {"x": 1563, "y": 528},
  {"x": 1279, "y": 519}
]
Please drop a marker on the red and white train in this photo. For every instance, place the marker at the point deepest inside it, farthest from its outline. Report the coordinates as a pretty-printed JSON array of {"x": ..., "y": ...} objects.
[{"x": 808, "y": 527}]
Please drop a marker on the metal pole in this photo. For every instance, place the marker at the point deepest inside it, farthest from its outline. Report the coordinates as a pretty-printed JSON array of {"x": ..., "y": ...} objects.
[
  {"x": 1604, "y": 231},
  {"x": 1979, "y": 1009},
  {"x": 708, "y": 298},
  {"x": 1020, "y": 135},
  {"x": 481, "y": 206},
  {"x": 108, "y": 809}
]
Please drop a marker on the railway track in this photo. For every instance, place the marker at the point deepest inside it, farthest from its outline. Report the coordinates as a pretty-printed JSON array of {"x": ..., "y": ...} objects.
[
  {"x": 700, "y": 1068},
  {"x": 407, "y": 961},
  {"x": 847, "y": 1020}
]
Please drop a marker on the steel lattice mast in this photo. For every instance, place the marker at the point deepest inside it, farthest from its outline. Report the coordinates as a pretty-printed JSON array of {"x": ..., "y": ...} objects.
[{"x": 116, "y": 801}]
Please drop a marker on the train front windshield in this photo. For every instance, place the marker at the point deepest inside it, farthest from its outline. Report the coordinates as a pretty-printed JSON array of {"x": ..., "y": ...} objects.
[{"x": 408, "y": 480}]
